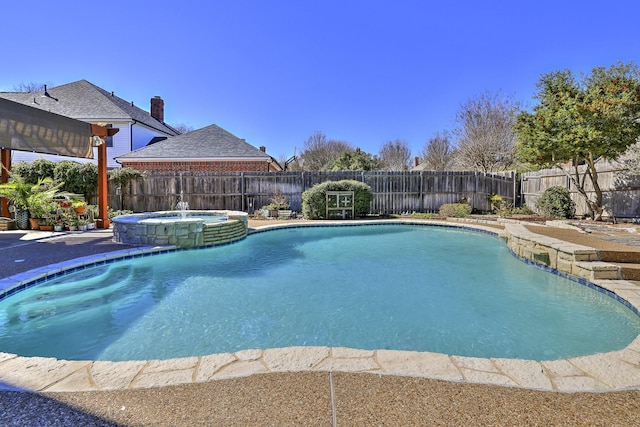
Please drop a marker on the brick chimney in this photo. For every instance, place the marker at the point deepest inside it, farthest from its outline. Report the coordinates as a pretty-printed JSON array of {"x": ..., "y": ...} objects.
[
  {"x": 157, "y": 108},
  {"x": 416, "y": 161},
  {"x": 263, "y": 148}
]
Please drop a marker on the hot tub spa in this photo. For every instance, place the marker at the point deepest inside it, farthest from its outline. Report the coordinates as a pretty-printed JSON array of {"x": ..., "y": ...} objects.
[{"x": 189, "y": 229}]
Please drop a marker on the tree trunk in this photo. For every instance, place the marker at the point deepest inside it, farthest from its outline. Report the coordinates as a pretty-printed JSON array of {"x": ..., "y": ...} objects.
[{"x": 596, "y": 206}]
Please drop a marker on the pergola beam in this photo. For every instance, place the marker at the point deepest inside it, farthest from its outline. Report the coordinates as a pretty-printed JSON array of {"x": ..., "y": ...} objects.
[{"x": 101, "y": 132}]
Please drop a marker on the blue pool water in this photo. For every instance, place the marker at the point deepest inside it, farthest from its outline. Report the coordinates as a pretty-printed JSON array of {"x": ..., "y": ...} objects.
[{"x": 398, "y": 287}]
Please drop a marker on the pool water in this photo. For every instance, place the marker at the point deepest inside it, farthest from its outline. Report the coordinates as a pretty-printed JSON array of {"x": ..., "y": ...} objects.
[{"x": 402, "y": 287}]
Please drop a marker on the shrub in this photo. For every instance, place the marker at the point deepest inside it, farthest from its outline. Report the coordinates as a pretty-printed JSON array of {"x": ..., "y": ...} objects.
[
  {"x": 455, "y": 210},
  {"x": 314, "y": 200},
  {"x": 123, "y": 176},
  {"x": 33, "y": 172},
  {"x": 496, "y": 201},
  {"x": 556, "y": 202},
  {"x": 78, "y": 178}
]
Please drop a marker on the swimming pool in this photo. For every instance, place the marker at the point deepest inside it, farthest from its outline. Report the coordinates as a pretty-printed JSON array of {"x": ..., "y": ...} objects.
[{"x": 399, "y": 287}]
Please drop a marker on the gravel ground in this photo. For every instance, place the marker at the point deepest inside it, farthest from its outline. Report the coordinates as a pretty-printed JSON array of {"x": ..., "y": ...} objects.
[{"x": 306, "y": 398}]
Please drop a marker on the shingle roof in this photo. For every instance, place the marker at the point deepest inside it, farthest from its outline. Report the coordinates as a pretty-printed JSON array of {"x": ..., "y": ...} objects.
[
  {"x": 85, "y": 101},
  {"x": 211, "y": 142}
]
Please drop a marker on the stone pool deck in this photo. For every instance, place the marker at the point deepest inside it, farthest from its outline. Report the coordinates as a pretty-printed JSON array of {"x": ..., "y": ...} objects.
[{"x": 331, "y": 372}]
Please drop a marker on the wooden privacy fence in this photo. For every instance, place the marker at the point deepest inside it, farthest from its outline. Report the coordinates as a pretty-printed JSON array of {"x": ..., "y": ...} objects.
[
  {"x": 621, "y": 197},
  {"x": 393, "y": 192}
]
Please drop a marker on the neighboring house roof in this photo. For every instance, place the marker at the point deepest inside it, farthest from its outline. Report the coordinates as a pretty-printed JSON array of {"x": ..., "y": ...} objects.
[
  {"x": 85, "y": 101},
  {"x": 209, "y": 143}
]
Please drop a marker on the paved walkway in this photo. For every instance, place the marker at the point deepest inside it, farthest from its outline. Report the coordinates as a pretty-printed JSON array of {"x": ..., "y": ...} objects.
[{"x": 302, "y": 370}]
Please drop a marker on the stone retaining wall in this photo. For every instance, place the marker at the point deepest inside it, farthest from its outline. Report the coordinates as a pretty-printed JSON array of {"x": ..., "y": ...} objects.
[{"x": 570, "y": 258}]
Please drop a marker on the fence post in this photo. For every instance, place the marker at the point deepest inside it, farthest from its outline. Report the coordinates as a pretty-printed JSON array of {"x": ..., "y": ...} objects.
[
  {"x": 242, "y": 207},
  {"x": 421, "y": 191}
]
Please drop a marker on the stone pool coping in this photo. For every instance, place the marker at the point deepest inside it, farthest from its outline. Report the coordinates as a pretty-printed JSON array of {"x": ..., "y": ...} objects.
[{"x": 610, "y": 371}]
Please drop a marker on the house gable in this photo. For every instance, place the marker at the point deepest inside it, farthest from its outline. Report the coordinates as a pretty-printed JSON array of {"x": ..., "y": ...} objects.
[
  {"x": 85, "y": 101},
  {"x": 210, "y": 149}
]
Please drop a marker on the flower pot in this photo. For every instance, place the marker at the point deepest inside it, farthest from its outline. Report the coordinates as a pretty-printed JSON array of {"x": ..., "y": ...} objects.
[
  {"x": 35, "y": 225},
  {"x": 80, "y": 210},
  {"x": 22, "y": 218},
  {"x": 46, "y": 227},
  {"x": 57, "y": 228}
]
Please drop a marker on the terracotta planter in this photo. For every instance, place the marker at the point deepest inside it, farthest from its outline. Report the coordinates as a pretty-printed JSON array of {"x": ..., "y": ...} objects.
[
  {"x": 80, "y": 210},
  {"x": 46, "y": 227},
  {"x": 35, "y": 225}
]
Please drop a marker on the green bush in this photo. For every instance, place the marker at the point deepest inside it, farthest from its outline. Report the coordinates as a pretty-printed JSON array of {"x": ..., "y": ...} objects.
[
  {"x": 455, "y": 210},
  {"x": 556, "y": 202},
  {"x": 314, "y": 200},
  {"x": 78, "y": 178},
  {"x": 33, "y": 172}
]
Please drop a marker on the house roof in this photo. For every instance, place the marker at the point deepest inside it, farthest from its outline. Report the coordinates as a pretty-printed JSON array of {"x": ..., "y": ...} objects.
[
  {"x": 85, "y": 101},
  {"x": 211, "y": 142}
]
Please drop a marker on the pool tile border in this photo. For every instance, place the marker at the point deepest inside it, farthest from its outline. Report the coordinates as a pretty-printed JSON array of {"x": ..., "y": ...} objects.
[{"x": 617, "y": 370}]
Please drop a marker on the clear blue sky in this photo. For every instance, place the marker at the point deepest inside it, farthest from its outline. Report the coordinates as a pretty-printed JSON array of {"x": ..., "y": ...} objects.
[{"x": 275, "y": 71}]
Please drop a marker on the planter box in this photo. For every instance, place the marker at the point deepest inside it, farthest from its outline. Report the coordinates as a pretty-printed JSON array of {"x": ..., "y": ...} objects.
[{"x": 7, "y": 224}]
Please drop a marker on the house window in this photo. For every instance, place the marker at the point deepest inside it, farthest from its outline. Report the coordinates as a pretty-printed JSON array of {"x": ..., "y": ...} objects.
[{"x": 109, "y": 140}]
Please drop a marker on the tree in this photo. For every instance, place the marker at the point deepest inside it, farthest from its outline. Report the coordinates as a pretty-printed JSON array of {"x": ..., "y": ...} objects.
[
  {"x": 395, "y": 155},
  {"x": 30, "y": 87},
  {"x": 631, "y": 162},
  {"x": 319, "y": 151},
  {"x": 579, "y": 121},
  {"x": 485, "y": 133},
  {"x": 183, "y": 128},
  {"x": 438, "y": 153},
  {"x": 354, "y": 160}
]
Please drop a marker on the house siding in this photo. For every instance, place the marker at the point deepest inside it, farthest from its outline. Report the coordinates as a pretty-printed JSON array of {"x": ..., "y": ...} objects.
[
  {"x": 151, "y": 167},
  {"x": 142, "y": 135},
  {"x": 121, "y": 144}
]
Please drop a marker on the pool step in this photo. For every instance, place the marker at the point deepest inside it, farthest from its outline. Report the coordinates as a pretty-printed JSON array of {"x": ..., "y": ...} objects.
[
  {"x": 630, "y": 271},
  {"x": 219, "y": 234},
  {"x": 619, "y": 256}
]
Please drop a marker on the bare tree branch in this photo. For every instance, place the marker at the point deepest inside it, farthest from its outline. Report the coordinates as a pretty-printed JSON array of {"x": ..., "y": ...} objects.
[
  {"x": 485, "y": 133},
  {"x": 438, "y": 153},
  {"x": 395, "y": 155}
]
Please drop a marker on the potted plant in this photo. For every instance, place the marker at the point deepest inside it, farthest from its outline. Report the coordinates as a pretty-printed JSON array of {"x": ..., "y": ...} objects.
[
  {"x": 82, "y": 224},
  {"x": 46, "y": 224},
  {"x": 278, "y": 202},
  {"x": 79, "y": 206},
  {"x": 40, "y": 207},
  {"x": 25, "y": 196}
]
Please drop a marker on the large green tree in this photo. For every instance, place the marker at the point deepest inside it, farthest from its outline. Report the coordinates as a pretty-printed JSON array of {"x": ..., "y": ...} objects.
[
  {"x": 354, "y": 160},
  {"x": 579, "y": 121}
]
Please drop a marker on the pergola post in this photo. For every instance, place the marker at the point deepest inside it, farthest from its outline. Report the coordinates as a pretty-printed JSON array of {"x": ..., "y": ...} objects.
[
  {"x": 103, "y": 210},
  {"x": 5, "y": 158}
]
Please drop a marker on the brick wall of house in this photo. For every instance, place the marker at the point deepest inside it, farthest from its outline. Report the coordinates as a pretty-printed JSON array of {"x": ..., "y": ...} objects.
[{"x": 197, "y": 167}]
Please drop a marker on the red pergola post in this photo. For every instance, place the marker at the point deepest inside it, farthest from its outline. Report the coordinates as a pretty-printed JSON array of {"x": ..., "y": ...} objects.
[
  {"x": 5, "y": 158},
  {"x": 103, "y": 210}
]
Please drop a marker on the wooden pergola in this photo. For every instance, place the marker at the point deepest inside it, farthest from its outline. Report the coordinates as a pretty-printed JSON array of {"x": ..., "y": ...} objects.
[{"x": 25, "y": 128}]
